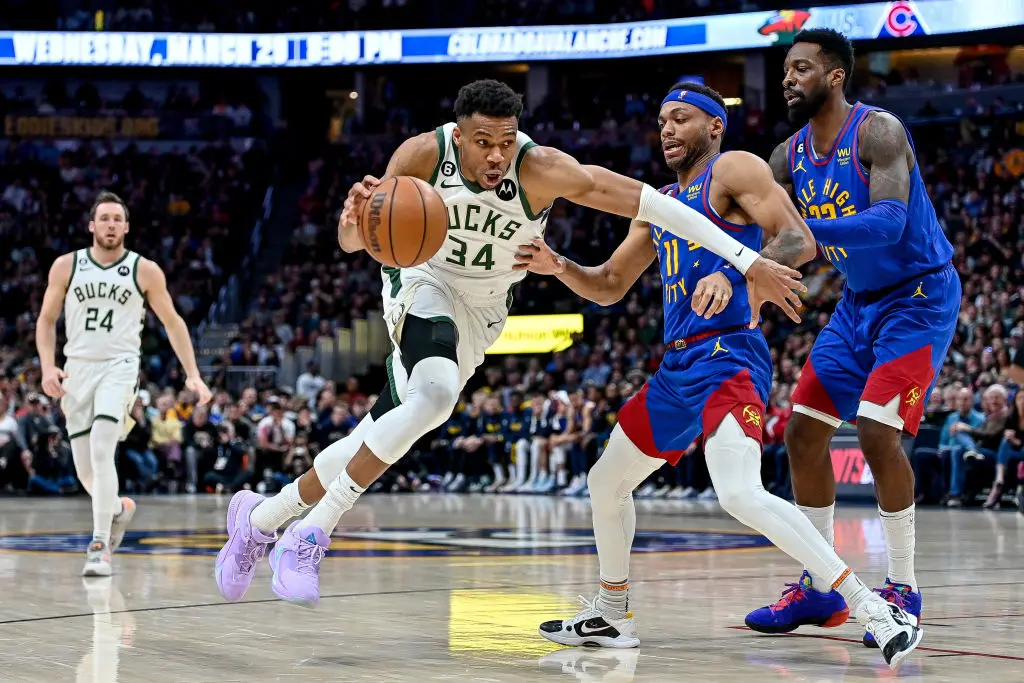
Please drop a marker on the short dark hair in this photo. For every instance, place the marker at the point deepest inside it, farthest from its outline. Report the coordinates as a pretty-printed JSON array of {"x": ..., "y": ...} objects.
[
  {"x": 106, "y": 197},
  {"x": 834, "y": 45},
  {"x": 488, "y": 97},
  {"x": 698, "y": 88}
]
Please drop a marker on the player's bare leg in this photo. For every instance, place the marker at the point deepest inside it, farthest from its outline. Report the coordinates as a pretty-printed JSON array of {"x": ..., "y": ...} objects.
[{"x": 882, "y": 445}]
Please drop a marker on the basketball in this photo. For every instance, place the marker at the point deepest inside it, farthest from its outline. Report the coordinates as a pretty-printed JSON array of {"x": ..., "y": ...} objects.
[{"x": 404, "y": 222}]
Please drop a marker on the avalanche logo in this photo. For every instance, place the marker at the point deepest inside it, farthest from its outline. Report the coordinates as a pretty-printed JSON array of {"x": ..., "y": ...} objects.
[
  {"x": 900, "y": 20},
  {"x": 384, "y": 542}
]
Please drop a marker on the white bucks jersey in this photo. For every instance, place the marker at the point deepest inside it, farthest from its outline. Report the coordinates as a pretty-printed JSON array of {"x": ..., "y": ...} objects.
[
  {"x": 485, "y": 227},
  {"x": 104, "y": 308}
]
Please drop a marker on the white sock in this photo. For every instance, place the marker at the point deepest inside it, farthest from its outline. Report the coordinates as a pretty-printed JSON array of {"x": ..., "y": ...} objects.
[
  {"x": 342, "y": 494},
  {"x": 619, "y": 470},
  {"x": 270, "y": 514},
  {"x": 822, "y": 519},
  {"x": 613, "y": 598},
  {"x": 105, "y": 503},
  {"x": 899, "y": 544},
  {"x": 854, "y": 590}
]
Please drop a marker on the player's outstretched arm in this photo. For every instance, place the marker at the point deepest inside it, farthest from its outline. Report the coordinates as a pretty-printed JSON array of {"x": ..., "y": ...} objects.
[
  {"x": 605, "y": 284},
  {"x": 153, "y": 284},
  {"x": 548, "y": 174},
  {"x": 417, "y": 157},
  {"x": 46, "y": 325},
  {"x": 884, "y": 149}
]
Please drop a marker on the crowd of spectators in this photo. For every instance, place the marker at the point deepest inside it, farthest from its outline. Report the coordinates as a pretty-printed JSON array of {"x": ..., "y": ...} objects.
[{"x": 967, "y": 165}]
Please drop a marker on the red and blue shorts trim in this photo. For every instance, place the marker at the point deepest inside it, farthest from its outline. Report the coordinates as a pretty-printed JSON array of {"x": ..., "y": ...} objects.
[
  {"x": 874, "y": 351},
  {"x": 687, "y": 399}
]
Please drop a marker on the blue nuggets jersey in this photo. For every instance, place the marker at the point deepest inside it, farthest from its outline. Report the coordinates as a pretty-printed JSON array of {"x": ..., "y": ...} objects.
[
  {"x": 837, "y": 186},
  {"x": 683, "y": 264}
]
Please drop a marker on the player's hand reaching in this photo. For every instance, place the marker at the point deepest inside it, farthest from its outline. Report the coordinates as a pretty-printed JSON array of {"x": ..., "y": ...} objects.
[
  {"x": 712, "y": 295},
  {"x": 357, "y": 194},
  {"x": 202, "y": 391},
  {"x": 768, "y": 280},
  {"x": 53, "y": 379},
  {"x": 537, "y": 257}
]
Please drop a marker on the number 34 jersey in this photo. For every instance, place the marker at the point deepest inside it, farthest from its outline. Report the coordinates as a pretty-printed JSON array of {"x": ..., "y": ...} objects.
[
  {"x": 104, "y": 308},
  {"x": 485, "y": 227}
]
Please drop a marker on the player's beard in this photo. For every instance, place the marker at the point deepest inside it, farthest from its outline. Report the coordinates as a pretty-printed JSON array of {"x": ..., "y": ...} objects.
[
  {"x": 808, "y": 105},
  {"x": 110, "y": 244},
  {"x": 694, "y": 152}
]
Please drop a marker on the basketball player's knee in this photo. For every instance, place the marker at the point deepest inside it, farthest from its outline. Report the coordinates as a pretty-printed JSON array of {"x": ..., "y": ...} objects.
[
  {"x": 602, "y": 482},
  {"x": 879, "y": 442},
  {"x": 802, "y": 447},
  {"x": 436, "y": 398}
]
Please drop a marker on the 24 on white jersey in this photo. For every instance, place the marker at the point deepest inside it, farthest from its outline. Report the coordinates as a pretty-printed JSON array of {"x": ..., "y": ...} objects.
[
  {"x": 104, "y": 308},
  {"x": 485, "y": 227}
]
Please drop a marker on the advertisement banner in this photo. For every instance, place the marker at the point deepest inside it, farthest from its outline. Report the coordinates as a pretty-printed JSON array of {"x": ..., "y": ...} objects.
[
  {"x": 538, "y": 333},
  {"x": 749, "y": 30},
  {"x": 55, "y": 126}
]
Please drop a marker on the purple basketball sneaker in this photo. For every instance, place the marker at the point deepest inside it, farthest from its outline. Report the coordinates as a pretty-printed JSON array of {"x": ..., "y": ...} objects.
[
  {"x": 296, "y": 564},
  {"x": 236, "y": 561}
]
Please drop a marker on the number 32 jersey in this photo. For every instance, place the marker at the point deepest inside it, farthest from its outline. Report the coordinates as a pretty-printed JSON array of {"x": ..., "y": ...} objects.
[
  {"x": 485, "y": 227},
  {"x": 838, "y": 186},
  {"x": 104, "y": 308}
]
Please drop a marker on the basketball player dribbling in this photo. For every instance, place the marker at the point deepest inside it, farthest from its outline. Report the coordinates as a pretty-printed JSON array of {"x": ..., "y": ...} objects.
[
  {"x": 715, "y": 378},
  {"x": 442, "y": 315},
  {"x": 853, "y": 173},
  {"x": 103, "y": 292}
]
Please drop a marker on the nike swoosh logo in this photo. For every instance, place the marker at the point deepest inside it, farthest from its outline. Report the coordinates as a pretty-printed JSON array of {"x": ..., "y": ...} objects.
[
  {"x": 584, "y": 630},
  {"x": 740, "y": 252},
  {"x": 354, "y": 490},
  {"x": 490, "y": 325},
  {"x": 449, "y": 187}
]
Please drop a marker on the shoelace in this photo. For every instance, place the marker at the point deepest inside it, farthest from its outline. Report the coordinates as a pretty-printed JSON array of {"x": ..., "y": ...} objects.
[
  {"x": 308, "y": 558},
  {"x": 882, "y": 625},
  {"x": 793, "y": 593},
  {"x": 252, "y": 554},
  {"x": 893, "y": 595}
]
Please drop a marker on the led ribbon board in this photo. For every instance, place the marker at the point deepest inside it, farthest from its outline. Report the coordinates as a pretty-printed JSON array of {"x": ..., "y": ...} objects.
[{"x": 749, "y": 30}]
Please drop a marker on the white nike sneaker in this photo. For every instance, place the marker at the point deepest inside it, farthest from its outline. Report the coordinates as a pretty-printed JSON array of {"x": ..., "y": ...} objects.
[
  {"x": 895, "y": 631},
  {"x": 120, "y": 523},
  {"x": 591, "y": 627}
]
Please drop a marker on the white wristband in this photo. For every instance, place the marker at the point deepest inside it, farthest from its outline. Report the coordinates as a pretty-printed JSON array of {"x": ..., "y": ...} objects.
[{"x": 679, "y": 219}]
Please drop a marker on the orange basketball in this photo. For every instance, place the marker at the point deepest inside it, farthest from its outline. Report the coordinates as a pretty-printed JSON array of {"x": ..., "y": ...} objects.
[{"x": 404, "y": 222}]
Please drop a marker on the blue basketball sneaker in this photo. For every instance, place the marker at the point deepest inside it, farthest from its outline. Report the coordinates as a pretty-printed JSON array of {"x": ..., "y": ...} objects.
[
  {"x": 901, "y": 595},
  {"x": 800, "y": 605}
]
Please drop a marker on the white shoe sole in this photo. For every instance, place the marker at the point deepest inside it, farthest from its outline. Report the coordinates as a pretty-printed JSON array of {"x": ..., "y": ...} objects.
[
  {"x": 592, "y": 641},
  {"x": 903, "y": 654},
  {"x": 97, "y": 569}
]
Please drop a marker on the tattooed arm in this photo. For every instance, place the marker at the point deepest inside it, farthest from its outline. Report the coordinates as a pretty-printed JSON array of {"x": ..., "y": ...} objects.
[
  {"x": 885, "y": 151},
  {"x": 752, "y": 185},
  {"x": 779, "y": 163}
]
